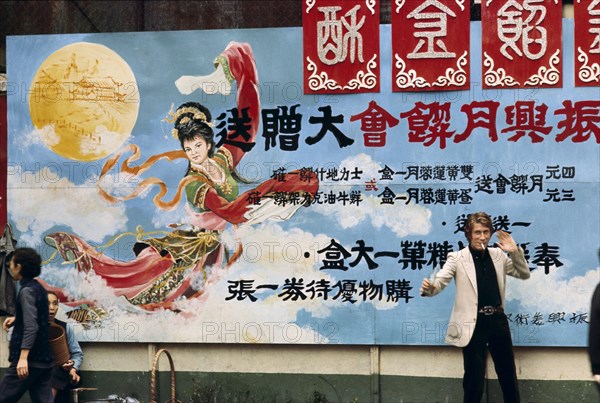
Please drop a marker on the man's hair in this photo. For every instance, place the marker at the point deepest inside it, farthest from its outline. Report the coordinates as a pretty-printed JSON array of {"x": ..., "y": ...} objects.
[
  {"x": 478, "y": 218},
  {"x": 30, "y": 261}
]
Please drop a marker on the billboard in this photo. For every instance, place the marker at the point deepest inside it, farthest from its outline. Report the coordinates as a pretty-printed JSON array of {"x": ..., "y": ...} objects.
[{"x": 310, "y": 218}]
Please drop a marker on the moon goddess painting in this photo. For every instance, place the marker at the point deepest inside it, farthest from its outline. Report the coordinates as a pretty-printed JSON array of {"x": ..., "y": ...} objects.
[{"x": 175, "y": 265}]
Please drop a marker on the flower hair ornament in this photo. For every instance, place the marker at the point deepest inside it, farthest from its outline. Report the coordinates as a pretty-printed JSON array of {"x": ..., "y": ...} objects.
[{"x": 174, "y": 115}]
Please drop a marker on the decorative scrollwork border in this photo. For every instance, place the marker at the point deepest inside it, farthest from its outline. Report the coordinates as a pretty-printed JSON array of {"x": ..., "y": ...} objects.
[
  {"x": 587, "y": 74},
  {"x": 399, "y": 5},
  {"x": 369, "y": 3},
  {"x": 494, "y": 78},
  {"x": 363, "y": 80},
  {"x": 547, "y": 75},
  {"x": 320, "y": 81},
  {"x": 454, "y": 77},
  {"x": 408, "y": 79}
]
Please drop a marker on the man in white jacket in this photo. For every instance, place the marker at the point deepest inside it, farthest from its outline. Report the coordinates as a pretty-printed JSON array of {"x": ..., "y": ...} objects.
[{"x": 478, "y": 322}]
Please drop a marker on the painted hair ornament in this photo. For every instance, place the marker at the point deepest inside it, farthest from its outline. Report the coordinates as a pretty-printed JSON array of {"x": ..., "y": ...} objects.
[
  {"x": 197, "y": 114},
  {"x": 174, "y": 115}
]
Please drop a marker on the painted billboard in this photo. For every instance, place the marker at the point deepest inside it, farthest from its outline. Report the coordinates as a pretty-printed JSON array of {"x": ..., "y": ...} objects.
[{"x": 299, "y": 218}]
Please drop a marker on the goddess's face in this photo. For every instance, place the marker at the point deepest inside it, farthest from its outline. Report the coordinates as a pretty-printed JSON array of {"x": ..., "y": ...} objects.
[{"x": 196, "y": 149}]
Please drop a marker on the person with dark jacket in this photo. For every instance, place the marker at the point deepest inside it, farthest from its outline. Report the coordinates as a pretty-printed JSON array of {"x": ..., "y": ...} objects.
[
  {"x": 594, "y": 334},
  {"x": 30, "y": 355}
]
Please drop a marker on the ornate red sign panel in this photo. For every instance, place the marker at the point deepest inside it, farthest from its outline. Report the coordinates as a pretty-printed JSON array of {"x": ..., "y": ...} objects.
[
  {"x": 430, "y": 45},
  {"x": 521, "y": 44},
  {"x": 587, "y": 43},
  {"x": 341, "y": 46}
]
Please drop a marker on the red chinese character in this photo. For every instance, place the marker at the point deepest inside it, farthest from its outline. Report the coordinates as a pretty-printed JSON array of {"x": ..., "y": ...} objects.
[
  {"x": 374, "y": 121},
  {"x": 479, "y": 114},
  {"x": 428, "y": 123},
  {"x": 371, "y": 185},
  {"x": 527, "y": 119},
  {"x": 580, "y": 122}
]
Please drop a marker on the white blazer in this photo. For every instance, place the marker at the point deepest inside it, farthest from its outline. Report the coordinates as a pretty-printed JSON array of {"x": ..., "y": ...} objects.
[{"x": 460, "y": 266}]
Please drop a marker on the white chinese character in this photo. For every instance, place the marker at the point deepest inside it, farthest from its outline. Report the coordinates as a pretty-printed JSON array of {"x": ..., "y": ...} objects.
[
  {"x": 330, "y": 36},
  {"x": 533, "y": 32},
  {"x": 512, "y": 28},
  {"x": 437, "y": 22},
  {"x": 594, "y": 10}
]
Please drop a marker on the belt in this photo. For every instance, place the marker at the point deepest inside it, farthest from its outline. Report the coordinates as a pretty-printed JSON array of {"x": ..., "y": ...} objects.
[{"x": 490, "y": 310}]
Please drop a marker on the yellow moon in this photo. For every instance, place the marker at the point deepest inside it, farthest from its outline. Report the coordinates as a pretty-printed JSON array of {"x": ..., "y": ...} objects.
[{"x": 84, "y": 101}]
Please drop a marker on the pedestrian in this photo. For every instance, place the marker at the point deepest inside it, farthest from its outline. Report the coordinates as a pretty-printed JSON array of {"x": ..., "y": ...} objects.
[
  {"x": 30, "y": 356},
  {"x": 594, "y": 334},
  {"x": 66, "y": 375},
  {"x": 478, "y": 321}
]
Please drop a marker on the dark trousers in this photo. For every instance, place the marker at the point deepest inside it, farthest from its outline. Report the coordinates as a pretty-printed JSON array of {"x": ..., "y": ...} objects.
[
  {"x": 61, "y": 381},
  {"x": 37, "y": 383},
  {"x": 491, "y": 332}
]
